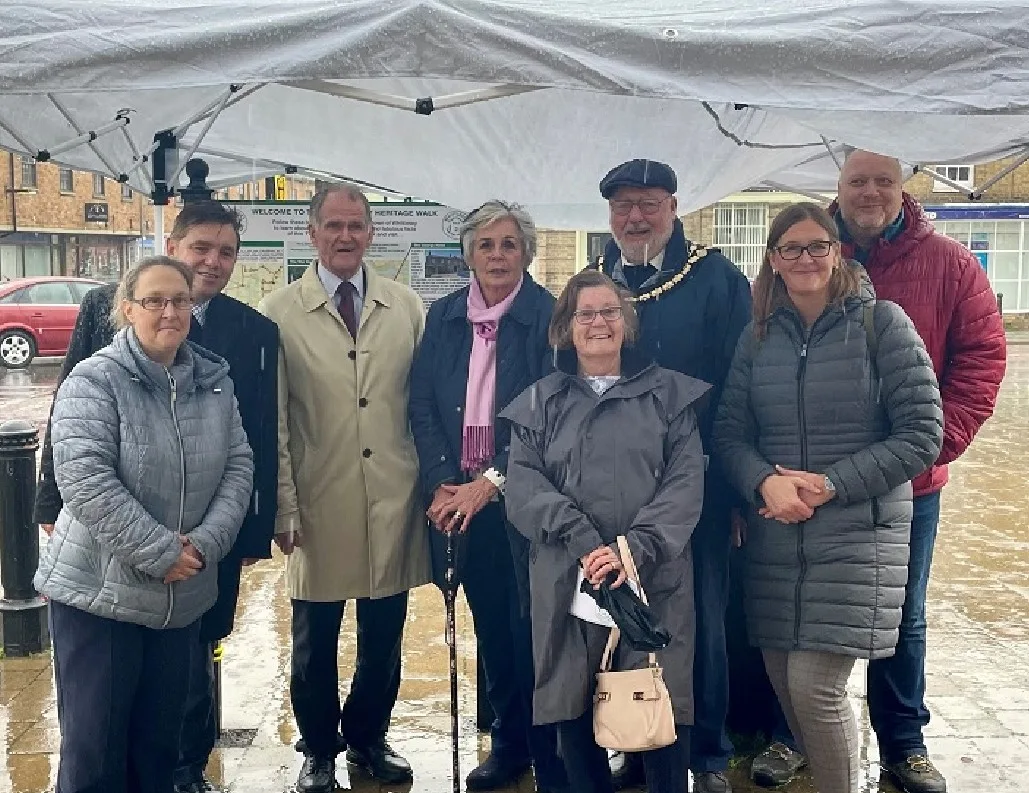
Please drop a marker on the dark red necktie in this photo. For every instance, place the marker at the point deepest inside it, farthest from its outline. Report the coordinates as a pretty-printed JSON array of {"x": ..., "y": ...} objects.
[{"x": 345, "y": 305}]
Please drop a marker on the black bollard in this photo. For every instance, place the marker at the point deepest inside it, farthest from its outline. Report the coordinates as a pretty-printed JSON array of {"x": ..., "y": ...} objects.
[{"x": 23, "y": 613}]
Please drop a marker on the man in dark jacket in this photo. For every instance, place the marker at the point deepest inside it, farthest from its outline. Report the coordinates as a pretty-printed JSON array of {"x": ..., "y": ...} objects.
[
  {"x": 206, "y": 237},
  {"x": 945, "y": 291},
  {"x": 693, "y": 303}
]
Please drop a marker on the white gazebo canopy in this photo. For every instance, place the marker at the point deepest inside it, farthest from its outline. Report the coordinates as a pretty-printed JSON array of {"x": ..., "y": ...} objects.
[{"x": 459, "y": 101}]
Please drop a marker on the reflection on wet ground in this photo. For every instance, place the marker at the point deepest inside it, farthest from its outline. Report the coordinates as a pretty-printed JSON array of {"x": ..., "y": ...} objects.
[{"x": 978, "y": 683}]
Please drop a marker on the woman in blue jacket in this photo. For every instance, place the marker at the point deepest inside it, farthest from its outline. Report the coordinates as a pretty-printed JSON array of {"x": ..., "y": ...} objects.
[{"x": 483, "y": 345}]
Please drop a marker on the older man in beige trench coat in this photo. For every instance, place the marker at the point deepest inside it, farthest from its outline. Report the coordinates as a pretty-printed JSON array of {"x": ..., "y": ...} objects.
[{"x": 349, "y": 517}]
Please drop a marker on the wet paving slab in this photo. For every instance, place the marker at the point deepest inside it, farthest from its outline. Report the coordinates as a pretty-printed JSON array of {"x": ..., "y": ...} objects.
[{"x": 977, "y": 680}]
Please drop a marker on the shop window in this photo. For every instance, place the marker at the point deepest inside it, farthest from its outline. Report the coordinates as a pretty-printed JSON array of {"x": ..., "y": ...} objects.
[
  {"x": 28, "y": 173},
  {"x": 67, "y": 180},
  {"x": 99, "y": 185},
  {"x": 741, "y": 231}
]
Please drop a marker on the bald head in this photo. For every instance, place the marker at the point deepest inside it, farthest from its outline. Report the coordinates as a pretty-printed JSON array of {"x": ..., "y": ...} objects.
[{"x": 870, "y": 194}]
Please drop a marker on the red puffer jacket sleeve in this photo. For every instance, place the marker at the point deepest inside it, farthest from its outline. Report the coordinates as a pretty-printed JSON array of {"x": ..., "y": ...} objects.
[{"x": 976, "y": 353}]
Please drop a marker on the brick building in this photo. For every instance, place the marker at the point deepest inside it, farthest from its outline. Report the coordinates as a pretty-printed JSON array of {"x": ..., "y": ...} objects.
[
  {"x": 57, "y": 221},
  {"x": 996, "y": 228}
]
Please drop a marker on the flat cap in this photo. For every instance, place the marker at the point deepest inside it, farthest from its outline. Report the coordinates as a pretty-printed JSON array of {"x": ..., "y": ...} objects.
[{"x": 639, "y": 173}]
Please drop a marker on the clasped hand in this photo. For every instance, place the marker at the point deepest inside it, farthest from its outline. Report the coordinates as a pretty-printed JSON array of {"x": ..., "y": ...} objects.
[
  {"x": 791, "y": 496},
  {"x": 454, "y": 506},
  {"x": 597, "y": 564},
  {"x": 189, "y": 563}
]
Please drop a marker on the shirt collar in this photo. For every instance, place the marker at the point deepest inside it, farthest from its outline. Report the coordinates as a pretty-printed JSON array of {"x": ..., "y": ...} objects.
[
  {"x": 655, "y": 261},
  {"x": 331, "y": 281}
]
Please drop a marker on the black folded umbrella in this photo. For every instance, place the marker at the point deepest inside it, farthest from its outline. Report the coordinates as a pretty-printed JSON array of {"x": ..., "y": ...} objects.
[{"x": 634, "y": 618}]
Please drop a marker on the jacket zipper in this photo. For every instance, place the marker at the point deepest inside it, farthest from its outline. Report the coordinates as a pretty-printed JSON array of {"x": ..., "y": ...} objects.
[
  {"x": 802, "y": 421},
  {"x": 182, "y": 488}
]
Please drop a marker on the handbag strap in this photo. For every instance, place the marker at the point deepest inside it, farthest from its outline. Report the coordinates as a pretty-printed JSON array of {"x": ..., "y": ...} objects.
[{"x": 632, "y": 574}]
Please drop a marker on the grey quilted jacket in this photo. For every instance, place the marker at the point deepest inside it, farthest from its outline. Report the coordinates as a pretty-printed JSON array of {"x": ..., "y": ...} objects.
[
  {"x": 142, "y": 454},
  {"x": 815, "y": 401}
]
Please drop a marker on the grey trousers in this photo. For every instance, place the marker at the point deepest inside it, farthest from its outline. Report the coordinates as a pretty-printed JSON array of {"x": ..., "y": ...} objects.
[{"x": 812, "y": 689}]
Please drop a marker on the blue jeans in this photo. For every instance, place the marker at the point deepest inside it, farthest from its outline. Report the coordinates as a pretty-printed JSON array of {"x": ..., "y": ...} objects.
[
  {"x": 896, "y": 685},
  {"x": 710, "y": 748}
]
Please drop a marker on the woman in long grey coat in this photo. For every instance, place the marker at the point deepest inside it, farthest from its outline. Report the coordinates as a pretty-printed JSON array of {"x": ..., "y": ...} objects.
[
  {"x": 155, "y": 473},
  {"x": 830, "y": 409},
  {"x": 606, "y": 446}
]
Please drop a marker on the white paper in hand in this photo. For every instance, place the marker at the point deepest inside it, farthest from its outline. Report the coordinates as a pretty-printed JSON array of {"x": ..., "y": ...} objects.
[{"x": 585, "y": 607}]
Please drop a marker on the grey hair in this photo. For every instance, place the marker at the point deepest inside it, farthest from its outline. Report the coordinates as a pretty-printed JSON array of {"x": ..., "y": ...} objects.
[
  {"x": 353, "y": 192},
  {"x": 491, "y": 212},
  {"x": 127, "y": 286}
]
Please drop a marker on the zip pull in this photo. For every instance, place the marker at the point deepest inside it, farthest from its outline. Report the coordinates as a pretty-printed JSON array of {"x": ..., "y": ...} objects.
[
  {"x": 803, "y": 350},
  {"x": 171, "y": 382}
]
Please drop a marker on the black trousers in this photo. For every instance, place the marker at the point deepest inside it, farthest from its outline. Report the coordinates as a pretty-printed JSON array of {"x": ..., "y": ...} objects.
[
  {"x": 588, "y": 769},
  {"x": 121, "y": 690},
  {"x": 199, "y": 727},
  {"x": 314, "y": 676},
  {"x": 503, "y": 635}
]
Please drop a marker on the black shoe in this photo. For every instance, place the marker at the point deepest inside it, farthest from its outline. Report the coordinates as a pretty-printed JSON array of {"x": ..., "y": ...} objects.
[
  {"x": 626, "y": 770},
  {"x": 776, "y": 765},
  {"x": 496, "y": 772},
  {"x": 380, "y": 761},
  {"x": 317, "y": 775},
  {"x": 916, "y": 774}
]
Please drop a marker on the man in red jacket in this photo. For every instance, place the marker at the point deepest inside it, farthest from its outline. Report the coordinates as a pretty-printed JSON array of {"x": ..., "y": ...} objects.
[{"x": 944, "y": 290}]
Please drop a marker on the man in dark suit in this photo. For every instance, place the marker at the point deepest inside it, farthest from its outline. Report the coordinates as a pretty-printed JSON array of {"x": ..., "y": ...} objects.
[{"x": 206, "y": 237}]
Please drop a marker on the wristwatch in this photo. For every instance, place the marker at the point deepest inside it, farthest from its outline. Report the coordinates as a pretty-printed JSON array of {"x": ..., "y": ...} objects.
[
  {"x": 828, "y": 484},
  {"x": 497, "y": 479}
]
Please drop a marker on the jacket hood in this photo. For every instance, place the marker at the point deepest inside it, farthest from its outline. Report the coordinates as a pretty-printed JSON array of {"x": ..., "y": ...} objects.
[
  {"x": 194, "y": 366},
  {"x": 639, "y": 376}
]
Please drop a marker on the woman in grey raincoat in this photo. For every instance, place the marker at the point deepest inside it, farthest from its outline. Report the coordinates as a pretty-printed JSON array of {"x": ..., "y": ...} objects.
[{"x": 606, "y": 446}]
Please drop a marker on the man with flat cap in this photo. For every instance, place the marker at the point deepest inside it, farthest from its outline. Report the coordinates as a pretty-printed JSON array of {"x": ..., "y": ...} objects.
[{"x": 693, "y": 303}]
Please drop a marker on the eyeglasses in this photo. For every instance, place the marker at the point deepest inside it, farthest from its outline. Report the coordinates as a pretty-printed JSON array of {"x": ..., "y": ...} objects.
[
  {"x": 179, "y": 303},
  {"x": 818, "y": 249},
  {"x": 587, "y": 315},
  {"x": 648, "y": 206}
]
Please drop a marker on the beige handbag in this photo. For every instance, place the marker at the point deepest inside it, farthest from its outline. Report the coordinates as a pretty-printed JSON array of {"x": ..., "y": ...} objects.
[{"x": 632, "y": 711}]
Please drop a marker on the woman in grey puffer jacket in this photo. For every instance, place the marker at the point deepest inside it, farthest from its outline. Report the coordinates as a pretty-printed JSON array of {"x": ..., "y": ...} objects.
[
  {"x": 155, "y": 473},
  {"x": 830, "y": 409}
]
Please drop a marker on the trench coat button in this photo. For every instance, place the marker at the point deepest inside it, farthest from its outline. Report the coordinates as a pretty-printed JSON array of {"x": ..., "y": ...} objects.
[
  {"x": 442, "y": 458},
  {"x": 352, "y": 355},
  {"x": 367, "y": 453},
  {"x": 459, "y": 408},
  {"x": 362, "y": 402}
]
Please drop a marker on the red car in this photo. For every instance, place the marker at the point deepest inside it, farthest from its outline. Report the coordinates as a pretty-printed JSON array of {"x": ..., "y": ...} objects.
[{"x": 37, "y": 316}]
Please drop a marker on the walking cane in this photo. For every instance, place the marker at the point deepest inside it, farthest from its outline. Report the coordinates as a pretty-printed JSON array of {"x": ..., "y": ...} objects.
[{"x": 449, "y": 596}]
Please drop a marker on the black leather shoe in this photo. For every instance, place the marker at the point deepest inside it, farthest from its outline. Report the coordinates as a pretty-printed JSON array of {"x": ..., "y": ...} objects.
[
  {"x": 318, "y": 775},
  {"x": 626, "y": 770},
  {"x": 496, "y": 772},
  {"x": 380, "y": 761}
]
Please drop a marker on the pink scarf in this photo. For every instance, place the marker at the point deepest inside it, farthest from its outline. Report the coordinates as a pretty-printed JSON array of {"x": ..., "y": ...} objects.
[{"x": 477, "y": 442}]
